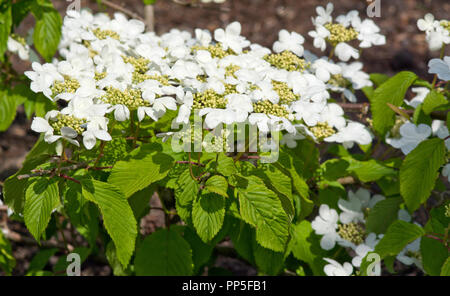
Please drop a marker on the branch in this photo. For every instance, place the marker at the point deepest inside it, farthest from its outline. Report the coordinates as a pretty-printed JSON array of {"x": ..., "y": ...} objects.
[
  {"x": 84, "y": 165},
  {"x": 190, "y": 162},
  {"x": 149, "y": 13},
  {"x": 122, "y": 9},
  {"x": 346, "y": 180}
]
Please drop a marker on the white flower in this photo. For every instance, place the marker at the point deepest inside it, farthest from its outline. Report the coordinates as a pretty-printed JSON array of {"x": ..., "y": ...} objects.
[
  {"x": 121, "y": 112},
  {"x": 345, "y": 52},
  {"x": 446, "y": 171},
  {"x": 289, "y": 41},
  {"x": 404, "y": 215},
  {"x": 440, "y": 130},
  {"x": 231, "y": 37},
  {"x": 336, "y": 269},
  {"x": 353, "y": 132},
  {"x": 23, "y": 50},
  {"x": 410, "y": 137},
  {"x": 440, "y": 67},
  {"x": 333, "y": 114},
  {"x": 323, "y": 14},
  {"x": 349, "y": 18},
  {"x": 421, "y": 92},
  {"x": 325, "y": 224},
  {"x": 42, "y": 78},
  {"x": 319, "y": 35},
  {"x": 90, "y": 137},
  {"x": 41, "y": 125},
  {"x": 437, "y": 38},
  {"x": 368, "y": 33},
  {"x": 362, "y": 249},
  {"x": 412, "y": 248},
  {"x": 324, "y": 69},
  {"x": 203, "y": 36},
  {"x": 428, "y": 23},
  {"x": 353, "y": 72},
  {"x": 352, "y": 208}
]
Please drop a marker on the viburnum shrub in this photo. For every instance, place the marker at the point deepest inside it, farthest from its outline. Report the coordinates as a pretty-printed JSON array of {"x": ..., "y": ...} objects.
[{"x": 297, "y": 184}]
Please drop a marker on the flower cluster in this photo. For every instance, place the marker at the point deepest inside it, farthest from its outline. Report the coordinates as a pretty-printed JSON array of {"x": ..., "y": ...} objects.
[
  {"x": 112, "y": 70},
  {"x": 17, "y": 44},
  {"x": 347, "y": 229},
  {"x": 437, "y": 32}
]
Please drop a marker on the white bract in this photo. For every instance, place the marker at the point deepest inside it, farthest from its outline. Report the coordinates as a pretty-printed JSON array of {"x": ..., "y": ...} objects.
[{"x": 334, "y": 268}]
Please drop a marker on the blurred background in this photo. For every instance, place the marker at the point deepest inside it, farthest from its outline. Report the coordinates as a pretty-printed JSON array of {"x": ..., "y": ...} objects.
[{"x": 261, "y": 20}]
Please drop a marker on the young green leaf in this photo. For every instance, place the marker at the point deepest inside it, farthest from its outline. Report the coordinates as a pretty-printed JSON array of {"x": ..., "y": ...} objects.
[
  {"x": 218, "y": 185},
  {"x": 419, "y": 171},
  {"x": 225, "y": 165},
  {"x": 185, "y": 193}
]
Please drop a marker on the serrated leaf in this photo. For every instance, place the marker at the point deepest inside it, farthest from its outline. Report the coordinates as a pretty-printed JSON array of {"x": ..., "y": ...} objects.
[
  {"x": 185, "y": 193},
  {"x": 261, "y": 208},
  {"x": 392, "y": 91},
  {"x": 41, "y": 198},
  {"x": 47, "y": 32},
  {"x": 433, "y": 100},
  {"x": 208, "y": 213},
  {"x": 398, "y": 235},
  {"x": 419, "y": 171},
  {"x": 201, "y": 252},
  {"x": 139, "y": 172},
  {"x": 14, "y": 189},
  {"x": 217, "y": 184},
  {"x": 163, "y": 253},
  {"x": 117, "y": 215},
  {"x": 225, "y": 165},
  {"x": 383, "y": 214}
]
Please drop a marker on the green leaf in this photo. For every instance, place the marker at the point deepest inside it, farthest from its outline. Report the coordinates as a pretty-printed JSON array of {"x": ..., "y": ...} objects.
[
  {"x": 41, "y": 198},
  {"x": 398, "y": 235},
  {"x": 445, "y": 271},
  {"x": 47, "y": 32},
  {"x": 392, "y": 91},
  {"x": 201, "y": 252},
  {"x": 217, "y": 184},
  {"x": 149, "y": 2},
  {"x": 139, "y": 172},
  {"x": 383, "y": 214},
  {"x": 14, "y": 189},
  {"x": 114, "y": 262},
  {"x": 261, "y": 208},
  {"x": 433, "y": 100},
  {"x": 225, "y": 165},
  {"x": 378, "y": 78},
  {"x": 118, "y": 217},
  {"x": 369, "y": 171},
  {"x": 20, "y": 10},
  {"x": 419, "y": 171},
  {"x": 305, "y": 246},
  {"x": 242, "y": 235},
  {"x": 41, "y": 259},
  {"x": 5, "y": 26},
  {"x": 7, "y": 110},
  {"x": 163, "y": 253},
  {"x": 208, "y": 213},
  {"x": 268, "y": 261},
  {"x": 185, "y": 193},
  {"x": 434, "y": 254},
  {"x": 62, "y": 263},
  {"x": 7, "y": 260}
]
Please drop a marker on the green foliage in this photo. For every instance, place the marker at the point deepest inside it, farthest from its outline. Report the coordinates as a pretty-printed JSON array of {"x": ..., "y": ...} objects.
[
  {"x": 7, "y": 110},
  {"x": 421, "y": 164},
  {"x": 5, "y": 26},
  {"x": 7, "y": 260},
  {"x": 383, "y": 214},
  {"x": 392, "y": 91},
  {"x": 398, "y": 235},
  {"x": 164, "y": 252},
  {"x": 41, "y": 198},
  {"x": 47, "y": 32},
  {"x": 433, "y": 101},
  {"x": 208, "y": 212},
  {"x": 117, "y": 215}
]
